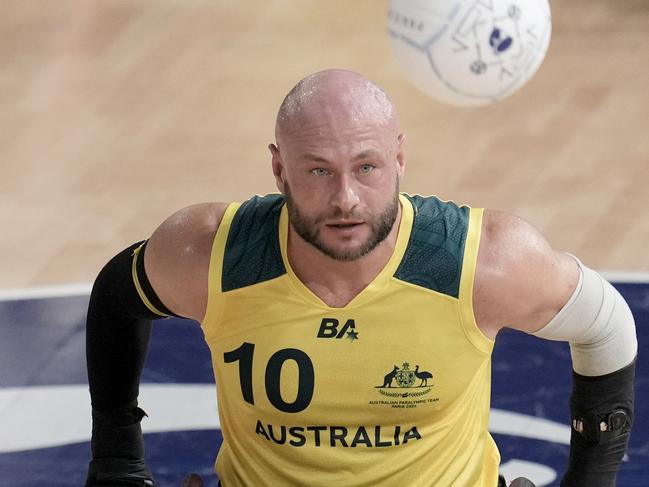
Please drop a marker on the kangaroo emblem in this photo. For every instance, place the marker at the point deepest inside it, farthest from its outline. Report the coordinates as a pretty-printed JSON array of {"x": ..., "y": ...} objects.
[
  {"x": 389, "y": 377},
  {"x": 423, "y": 376}
]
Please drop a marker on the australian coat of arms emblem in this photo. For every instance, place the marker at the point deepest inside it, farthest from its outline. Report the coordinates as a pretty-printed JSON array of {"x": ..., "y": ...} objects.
[{"x": 406, "y": 378}]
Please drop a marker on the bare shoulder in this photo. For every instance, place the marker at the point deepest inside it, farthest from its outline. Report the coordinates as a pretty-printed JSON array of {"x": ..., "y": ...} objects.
[
  {"x": 521, "y": 281},
  {"x": 178, "y": 255}
]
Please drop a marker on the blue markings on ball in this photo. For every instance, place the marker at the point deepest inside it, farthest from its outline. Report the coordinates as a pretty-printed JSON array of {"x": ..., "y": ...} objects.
[{"x": 499, "y": 42}]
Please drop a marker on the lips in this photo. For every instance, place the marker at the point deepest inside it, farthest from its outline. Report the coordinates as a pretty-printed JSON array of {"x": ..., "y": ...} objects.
[{"x": 344, "y": 224}]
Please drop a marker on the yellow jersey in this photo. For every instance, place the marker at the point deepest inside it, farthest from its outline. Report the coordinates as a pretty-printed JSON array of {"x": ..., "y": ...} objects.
[{"x": 391, "y": 390}]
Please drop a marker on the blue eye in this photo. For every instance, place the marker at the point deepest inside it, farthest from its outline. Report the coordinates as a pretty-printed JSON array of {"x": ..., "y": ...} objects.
[
  {"x": 366, "y": 168},
  {"x": 319, "y": 171}
]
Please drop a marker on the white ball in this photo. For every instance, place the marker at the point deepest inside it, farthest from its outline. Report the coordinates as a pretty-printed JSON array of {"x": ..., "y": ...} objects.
[{"x": 469, "y": 52}]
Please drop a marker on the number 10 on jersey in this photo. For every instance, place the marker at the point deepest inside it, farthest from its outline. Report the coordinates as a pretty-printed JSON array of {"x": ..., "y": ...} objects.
[{"x": 306, "y": 376}]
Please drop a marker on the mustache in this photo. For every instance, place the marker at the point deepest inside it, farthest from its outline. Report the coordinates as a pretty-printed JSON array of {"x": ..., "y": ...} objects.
[{"x": 338, "y": 213}]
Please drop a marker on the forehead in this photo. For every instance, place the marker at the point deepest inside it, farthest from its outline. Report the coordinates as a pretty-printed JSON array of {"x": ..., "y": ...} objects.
[
  {"x": 331, "y": 138},
  {"x": 336, "y": 128},
  {"x": 335, "y": 111}
]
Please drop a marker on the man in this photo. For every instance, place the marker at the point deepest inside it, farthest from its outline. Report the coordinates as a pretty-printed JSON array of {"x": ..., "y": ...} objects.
[{"x": 306, "y": 300}]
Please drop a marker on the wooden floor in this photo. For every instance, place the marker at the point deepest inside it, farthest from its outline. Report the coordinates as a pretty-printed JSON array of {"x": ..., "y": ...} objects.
[{"x": 116, "y": 113}]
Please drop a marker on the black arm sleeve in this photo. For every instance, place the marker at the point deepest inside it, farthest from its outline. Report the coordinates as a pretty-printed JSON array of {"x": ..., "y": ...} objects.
[
  {"x": 602, "y": 416},
  {"x": 118, "y": 328}
]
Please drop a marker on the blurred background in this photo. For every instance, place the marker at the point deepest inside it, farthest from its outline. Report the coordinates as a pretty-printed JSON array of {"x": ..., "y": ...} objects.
[{"x": 116, "y": 113}]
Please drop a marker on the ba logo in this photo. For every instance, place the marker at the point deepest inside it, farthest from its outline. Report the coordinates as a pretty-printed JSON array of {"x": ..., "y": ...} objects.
[{"x": 329, "y": 328}]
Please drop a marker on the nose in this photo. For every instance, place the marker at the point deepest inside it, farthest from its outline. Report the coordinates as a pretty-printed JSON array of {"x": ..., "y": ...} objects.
[{"x": 345, "y": 195}]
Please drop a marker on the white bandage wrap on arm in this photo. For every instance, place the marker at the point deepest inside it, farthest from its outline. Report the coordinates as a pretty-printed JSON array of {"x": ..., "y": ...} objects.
[{"x": 599, "y": 325}]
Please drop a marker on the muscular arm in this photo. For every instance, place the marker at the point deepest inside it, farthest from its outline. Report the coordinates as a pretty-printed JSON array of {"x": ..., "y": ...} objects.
[
  {"x": 522, "y": 283},
  {"x": 121, "y": 308},
  {"x": 178, "y": 256}
]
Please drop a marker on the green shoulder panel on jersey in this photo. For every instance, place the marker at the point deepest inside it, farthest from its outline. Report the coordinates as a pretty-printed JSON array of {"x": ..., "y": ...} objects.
[
  {"x": 252, "y": 252},
  {"x": 433, "y": 259}
]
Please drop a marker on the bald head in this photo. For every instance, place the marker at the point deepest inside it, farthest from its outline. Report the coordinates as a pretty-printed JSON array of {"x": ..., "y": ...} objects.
[
  {"x": 338, "y": 161},
  {"x": 334, "y": 93}
]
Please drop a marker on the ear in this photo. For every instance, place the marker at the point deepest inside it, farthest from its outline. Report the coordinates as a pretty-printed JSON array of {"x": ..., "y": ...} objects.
[
  {"x": 401, "y": 155},
  {"x": 278, "y": 166}
]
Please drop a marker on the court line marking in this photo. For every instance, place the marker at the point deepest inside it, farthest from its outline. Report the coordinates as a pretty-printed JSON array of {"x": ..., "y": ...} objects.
[
  {"x": 626, "y": 277},
  {"x": 83, "y": 289},
  {"x": 171, "y": 407},
  {"x": 42, "y": 292}
]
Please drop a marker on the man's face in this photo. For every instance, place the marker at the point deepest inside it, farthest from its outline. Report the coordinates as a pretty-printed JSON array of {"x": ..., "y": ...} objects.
[
  {"x": 340, "y": 177},
  {"x": 343, "y": 236}
]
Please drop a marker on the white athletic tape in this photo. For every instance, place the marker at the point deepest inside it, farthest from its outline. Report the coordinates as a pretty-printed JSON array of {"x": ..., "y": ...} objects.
[{"x": 599, "y": 325}]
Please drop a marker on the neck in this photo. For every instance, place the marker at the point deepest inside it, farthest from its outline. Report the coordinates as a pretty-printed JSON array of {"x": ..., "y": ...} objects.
[{"x": 337, "y": 282}]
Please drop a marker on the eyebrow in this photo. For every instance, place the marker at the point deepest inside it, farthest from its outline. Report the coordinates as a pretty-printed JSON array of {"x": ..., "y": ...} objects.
[
  {"x": 313, "y": 158},
  {"x": 366, "y": 154}
]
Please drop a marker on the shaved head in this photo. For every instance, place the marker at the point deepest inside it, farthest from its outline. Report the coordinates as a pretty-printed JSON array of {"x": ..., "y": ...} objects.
[
  {"x": 338, "y": 161},
  {"x": 333, "y": 91}
]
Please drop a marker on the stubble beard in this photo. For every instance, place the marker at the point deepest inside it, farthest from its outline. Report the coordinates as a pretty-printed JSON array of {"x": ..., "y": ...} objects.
[{"x": 308, "y": 228}]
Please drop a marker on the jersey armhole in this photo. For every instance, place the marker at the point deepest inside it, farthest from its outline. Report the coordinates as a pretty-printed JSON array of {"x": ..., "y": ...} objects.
[
  {"x": 469, "y": 264},
  {"x": 216, "y": 269}
]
